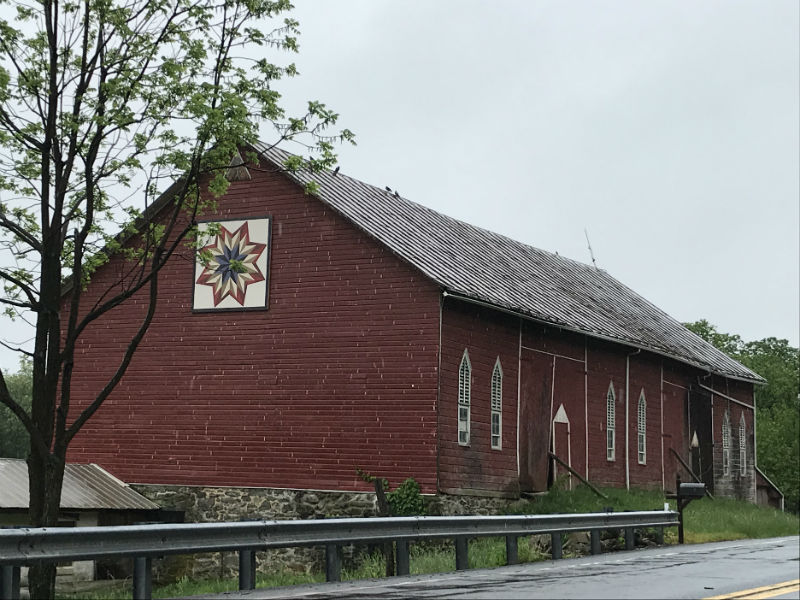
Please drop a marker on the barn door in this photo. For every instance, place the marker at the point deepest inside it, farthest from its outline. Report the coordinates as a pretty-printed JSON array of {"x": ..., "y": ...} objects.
[
  {"x": 702, "y": 457},
  {"x": 675, "y": 424},
  {"x": 536, "y": 386}
]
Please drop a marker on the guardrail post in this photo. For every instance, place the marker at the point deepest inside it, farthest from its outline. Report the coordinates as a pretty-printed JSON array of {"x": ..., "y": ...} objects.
[
  {"x": 462, "y": 553},
  {"x": 333, "y": 562},
  {"x": 555, "y": 545},
  {"x": 512, "y": 550},
  {"x": 660, "y": 535},
  {"x": 402, "y": 559},
  {"x": 142, "y": 578},
  {"x": 9, "y": 582},
  {"x": 595, "y": 536},
  {"x": 630, "y": 540},
  {"x": 247, "y": 569}
]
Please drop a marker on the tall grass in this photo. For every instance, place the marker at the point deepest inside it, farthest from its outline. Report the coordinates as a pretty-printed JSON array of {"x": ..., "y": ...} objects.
[
  {"x": 440, "y": 557},
  {"x": 705, "y": 520},
  {"x": 584, "y": 500},
  {"x": 721, "y": 519}
]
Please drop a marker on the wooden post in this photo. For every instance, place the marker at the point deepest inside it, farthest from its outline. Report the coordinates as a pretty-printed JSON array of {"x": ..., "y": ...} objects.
[
  {"x": 689, "y": 470},
  {"x": 578, "y": 475},
  {"x": 384, "y": 510}
]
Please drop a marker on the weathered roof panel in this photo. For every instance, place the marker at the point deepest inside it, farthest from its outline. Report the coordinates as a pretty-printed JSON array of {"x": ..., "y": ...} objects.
[
  {"x": 87, "y": 487},
  {"x": 482, "y": 265}
]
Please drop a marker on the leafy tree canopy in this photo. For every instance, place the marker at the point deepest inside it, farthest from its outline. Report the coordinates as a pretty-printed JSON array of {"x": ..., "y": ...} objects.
[
  {"x": 13, "y": 437},
  {"x": 104, "y": 104},
  {"x": 772, "y": 358}
]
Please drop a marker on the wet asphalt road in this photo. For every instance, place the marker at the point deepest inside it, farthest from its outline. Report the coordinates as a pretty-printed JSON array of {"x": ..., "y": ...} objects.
[{"x": 691, "y": 571}]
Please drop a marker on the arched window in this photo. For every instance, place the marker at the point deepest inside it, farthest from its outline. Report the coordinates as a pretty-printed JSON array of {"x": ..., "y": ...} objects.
[
  {"x": 742, "y": 446},
  {"x": 611, "y": 412},
  {"x": 497, "y": 406},
  {"x": 642, "y": 428},
  {"x": 464, "y": 385},
  {"x": 726, "y": 444}
]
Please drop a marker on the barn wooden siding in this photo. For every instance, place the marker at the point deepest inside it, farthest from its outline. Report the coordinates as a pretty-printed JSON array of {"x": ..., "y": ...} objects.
[
  {"x": 340, "y": 373},
  {"x": 487, "y": 335},
  {"x": 344, "y": 371},
  {"x": 568, "y": 374}
]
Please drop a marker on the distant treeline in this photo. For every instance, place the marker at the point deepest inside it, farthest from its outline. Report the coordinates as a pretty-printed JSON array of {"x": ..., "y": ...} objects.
[{"x": 777, "y": 403}]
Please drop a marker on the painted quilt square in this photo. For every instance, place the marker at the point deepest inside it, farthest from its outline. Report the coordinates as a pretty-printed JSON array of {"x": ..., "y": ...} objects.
[{"x": 232, "y": 268}]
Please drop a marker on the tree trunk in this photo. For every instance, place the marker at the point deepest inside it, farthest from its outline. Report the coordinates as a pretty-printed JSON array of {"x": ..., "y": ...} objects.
[
  {"x": 45, "y": 476},
  {"x": 384, "y": 510}
]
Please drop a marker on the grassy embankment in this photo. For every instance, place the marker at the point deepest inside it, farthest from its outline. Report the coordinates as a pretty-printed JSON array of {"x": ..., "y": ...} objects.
[{"x": 706, "y": 520}]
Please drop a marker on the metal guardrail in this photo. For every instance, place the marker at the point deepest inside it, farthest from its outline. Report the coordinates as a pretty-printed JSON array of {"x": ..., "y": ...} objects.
[{"x": 26, "y": 546}]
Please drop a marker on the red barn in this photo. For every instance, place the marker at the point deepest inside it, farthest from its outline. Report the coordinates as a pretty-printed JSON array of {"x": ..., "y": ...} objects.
[{"x": 354, "y": 329}]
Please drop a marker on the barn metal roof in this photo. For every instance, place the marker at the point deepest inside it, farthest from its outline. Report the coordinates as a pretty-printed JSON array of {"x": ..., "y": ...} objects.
[
  {"x": 87, "y": 487},
  {"x": 487, "y": 267}
]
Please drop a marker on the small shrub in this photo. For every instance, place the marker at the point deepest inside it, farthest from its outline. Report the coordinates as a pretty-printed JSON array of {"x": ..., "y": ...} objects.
[{"x": 406, "y": 500}]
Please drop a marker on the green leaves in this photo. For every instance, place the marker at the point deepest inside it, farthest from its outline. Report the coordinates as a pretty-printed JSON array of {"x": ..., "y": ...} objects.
[
  {"x": 729, "y": 344},
  {"x": 106, "y": 104},
  {"x": 13, "y": 437},
  {"x": 406, "y": 500},
  {"x": 778, "y": 435},
  {"x": 772, "y": 358}
]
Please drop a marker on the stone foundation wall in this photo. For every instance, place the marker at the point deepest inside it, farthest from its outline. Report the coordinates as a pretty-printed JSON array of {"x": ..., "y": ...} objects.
[
  {"x": 207, "y": 504},
  {"x": 211, "y": 504},
  {"x": 452, "y": 505}
]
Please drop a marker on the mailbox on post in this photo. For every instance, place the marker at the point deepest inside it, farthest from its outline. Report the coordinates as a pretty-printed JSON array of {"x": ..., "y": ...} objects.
[
  {"x": 686, "y": 493},
  {"x": 692, "y": 490}
]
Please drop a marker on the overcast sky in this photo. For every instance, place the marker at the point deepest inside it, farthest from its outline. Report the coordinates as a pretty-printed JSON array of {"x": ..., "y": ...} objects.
[{"x": 667, "y": 130}]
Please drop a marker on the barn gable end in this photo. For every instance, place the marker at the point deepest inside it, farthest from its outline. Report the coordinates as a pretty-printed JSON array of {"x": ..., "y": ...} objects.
[{"x": 339, "y": 373}]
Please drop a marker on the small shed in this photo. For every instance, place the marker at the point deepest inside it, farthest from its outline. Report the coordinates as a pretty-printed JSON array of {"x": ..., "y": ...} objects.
[{"x": 90, "y": 496}]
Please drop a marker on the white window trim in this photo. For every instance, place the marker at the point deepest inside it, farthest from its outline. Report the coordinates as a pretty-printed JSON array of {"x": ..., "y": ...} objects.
[
  {"x": 726, "y": 444},
  {"x": 742, "y": 446},
  {"x": 611, "y": 422},
  {"x": 642, "y": 428},
  {"x": 464, "y": 399},
  {"x": 496, "y": 400}
]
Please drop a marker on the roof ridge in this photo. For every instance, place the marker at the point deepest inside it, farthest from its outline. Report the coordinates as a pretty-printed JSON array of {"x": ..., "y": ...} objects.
[
  {"x": 498, "y": 270},
  {"x": 395, "y": 195}
]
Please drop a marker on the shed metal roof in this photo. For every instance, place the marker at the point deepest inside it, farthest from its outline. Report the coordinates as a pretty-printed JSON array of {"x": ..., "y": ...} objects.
[
  {"x": 87, "y": 487},
  {"x": 484, "y": 266}
]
